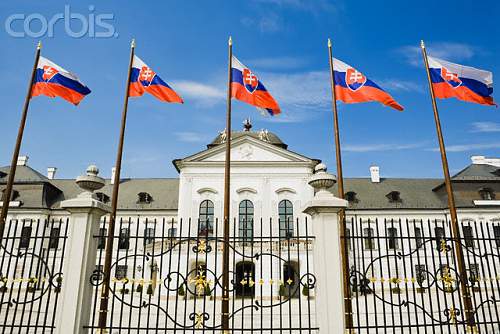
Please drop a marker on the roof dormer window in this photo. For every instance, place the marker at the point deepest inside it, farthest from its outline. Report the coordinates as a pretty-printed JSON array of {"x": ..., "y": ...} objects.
[
  {"x": 13, "y": 196},
  {"x": 496, "y": 172},
  {"x": 2, "y": 175},
  {"x": 350, "y": 196},
  {"x": 486, "y": 194},
  {"x": 102, "y": 197},
  {"x": 394, "y": 196},
  {"x": 144, "y": 198}
]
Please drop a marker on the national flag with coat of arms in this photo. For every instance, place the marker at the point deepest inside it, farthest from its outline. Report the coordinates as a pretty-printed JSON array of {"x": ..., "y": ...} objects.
[
  {"x": 54, "y": 81},
  {"x": 352, "y": 86},
  {"x": 246, "y": 87},
  {"x": 144, "y": 80},
  {"x": 462, "y": 82}
]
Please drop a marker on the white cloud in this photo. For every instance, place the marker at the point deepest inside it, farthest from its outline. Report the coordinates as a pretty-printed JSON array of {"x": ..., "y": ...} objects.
[
  {"x": 270, "y": 22},
  {"x": 485, "y": 127},
  {"x": 401, "y": 85},
  {"x": 190, "y": 137},
  {"x": 314, "y": 6},
  {"x": 204, "y": 93},
  {"x": 360, "y": 148},
  {"x": 469, "y": 147},
  {"x": 445, "y": 50}
]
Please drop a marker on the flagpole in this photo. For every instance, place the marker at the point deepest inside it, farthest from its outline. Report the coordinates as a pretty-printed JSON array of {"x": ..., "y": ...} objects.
[
  {"x": 469, "y": 312},
  {"x": 13, "y": 165},
  {"x": 103, "y": 308},
  {"x": 227, "y": 200},
  {"x": 340, "y": 183}
]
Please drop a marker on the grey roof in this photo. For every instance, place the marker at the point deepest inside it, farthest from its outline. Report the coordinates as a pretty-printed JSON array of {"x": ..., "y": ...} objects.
[
  {"x": 24, "y": 174},
  {"x": 478, "y": 173},
  {"x": 273, "y": 138},
  {"x": 414, "y": 193},
  {"x": 165, "y": 193}
]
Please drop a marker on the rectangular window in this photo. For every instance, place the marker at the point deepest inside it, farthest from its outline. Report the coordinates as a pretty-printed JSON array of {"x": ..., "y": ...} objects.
[
  {"x": 124, "y": 240},
  {"x": 392, "y": 234},
  {"x": 98, "y": 272},
  {"x": 149, "y": 236},
  {"x": 468, "y": 236},
  {"x": 439, "y": 235},
  {"x": 496, "y": 233},
  {"x": 368, "y": 237},
  {"x": 172, "y": 232},
  {"x": 101, "y": 241},
  {"x": 54, "y": 238},
  {"x": 420, "y": 273},
  {"x": 121, "y": 271},
  {"x": 25, "y": 237},
  {"x": 419, "y": 241},
  {"x": 348, "y": 238},
  {"x": 474, "y": 272}
]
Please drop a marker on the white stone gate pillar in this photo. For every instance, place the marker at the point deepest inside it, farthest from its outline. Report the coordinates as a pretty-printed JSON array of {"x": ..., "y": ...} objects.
[
  {"x": 80, "y": 258},
  {"x": 324, "y": 209}
]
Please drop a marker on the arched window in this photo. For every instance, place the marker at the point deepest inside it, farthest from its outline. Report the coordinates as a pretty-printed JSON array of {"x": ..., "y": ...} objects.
[
  {"x": 206, "y": 216},
  {"x": 285, "y": 211},
  {"x": 246, "y": 220}
]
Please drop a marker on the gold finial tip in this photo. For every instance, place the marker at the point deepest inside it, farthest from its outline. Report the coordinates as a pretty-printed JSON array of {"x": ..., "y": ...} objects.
[
  {"x": 422, "y": 44},
  {"x": 230, "y": 40},
  {"x": 329, "y": 43},
  {"x": 133, "y": 43},
  {"x": 39, "y": 46}
]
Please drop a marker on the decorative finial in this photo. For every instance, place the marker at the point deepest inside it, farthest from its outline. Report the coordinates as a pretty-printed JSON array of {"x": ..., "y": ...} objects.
[
  {"x": 422, "y": 44},
  {"x": 247, "y": 125},
  {"x": 90, "y": 182},
  {"x": 39, "y": 46},
  {"x": 230, "y": 42},
  {"x": 329, "y": 43},
  {"x": 132, "y": 45}
]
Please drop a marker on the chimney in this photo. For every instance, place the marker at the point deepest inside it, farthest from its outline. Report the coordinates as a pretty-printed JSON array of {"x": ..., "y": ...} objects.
[
  {"x": 375, "y": 174},
  {"x": 51, "y": 172},
  {"x": 113, "y": 173},
  {"x": 22, "y": 160}
]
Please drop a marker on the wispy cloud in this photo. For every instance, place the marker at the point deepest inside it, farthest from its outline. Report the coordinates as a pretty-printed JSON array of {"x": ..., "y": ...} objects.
[
  {"x": 360, "y": 148},
  {"x": 190, "y": 137},
  {"x": 202, "y": 92},
  {"x": 485, "y": 127},
  {"x": 445, "y": 50},
  {"x": 469, "y": 147},
  {"x": 401, "y": 85},
  {"x": 267, "y": 23}
]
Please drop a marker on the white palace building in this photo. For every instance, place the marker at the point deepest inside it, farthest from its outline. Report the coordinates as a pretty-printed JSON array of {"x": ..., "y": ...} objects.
[{"x": 167, "y": 258}]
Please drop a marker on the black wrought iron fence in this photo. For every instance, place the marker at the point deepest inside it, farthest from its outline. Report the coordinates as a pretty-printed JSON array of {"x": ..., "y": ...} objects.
[
  {"x": 404, "y": 276},
  {"x": 167, "y": 277},
  {"x": 31, "y": 264}
]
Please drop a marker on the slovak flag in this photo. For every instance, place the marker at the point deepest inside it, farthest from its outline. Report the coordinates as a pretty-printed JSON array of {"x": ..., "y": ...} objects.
[
  {"x": 143, "y": 79},
  {"x": 352, "y": 86},
  {"x": 246, "y": 87},
  {"x": 52, "y": 80},
  {"x": 462, "y": 82}
]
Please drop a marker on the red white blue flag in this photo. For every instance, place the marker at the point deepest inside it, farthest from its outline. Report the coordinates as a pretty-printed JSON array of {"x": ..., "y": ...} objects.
[
  {"x": 352, "y": 86},
  {"x": 52, "y": 80},
  {"x": 246, "y": 87},
  {"x": 461, "y": 82},
  {"x": 144, "y": 80}
]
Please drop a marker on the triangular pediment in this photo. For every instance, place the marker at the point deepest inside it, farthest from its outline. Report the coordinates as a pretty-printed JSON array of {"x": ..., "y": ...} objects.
[{"x": 248, "y": 149}]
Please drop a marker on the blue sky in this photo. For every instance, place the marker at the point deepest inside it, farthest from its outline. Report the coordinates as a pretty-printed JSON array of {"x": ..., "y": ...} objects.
[{"x": 284, "y": 42}]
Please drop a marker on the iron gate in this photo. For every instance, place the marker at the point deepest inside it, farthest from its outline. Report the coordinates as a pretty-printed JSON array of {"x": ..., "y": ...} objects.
[
  {"x": 31, "y": 263},
  {"x": 404, "y": 276},
  {"x": 167, "y": 277}
]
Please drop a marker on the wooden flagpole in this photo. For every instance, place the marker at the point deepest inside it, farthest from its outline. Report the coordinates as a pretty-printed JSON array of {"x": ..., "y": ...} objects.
[
  {"x": 103, "y": 308},
  {"x": 13, "y": 165},
  {"x": 227, "y": 199},
  {"x": 340, "y": 183},
  {"x": 469, "y": 312}
]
